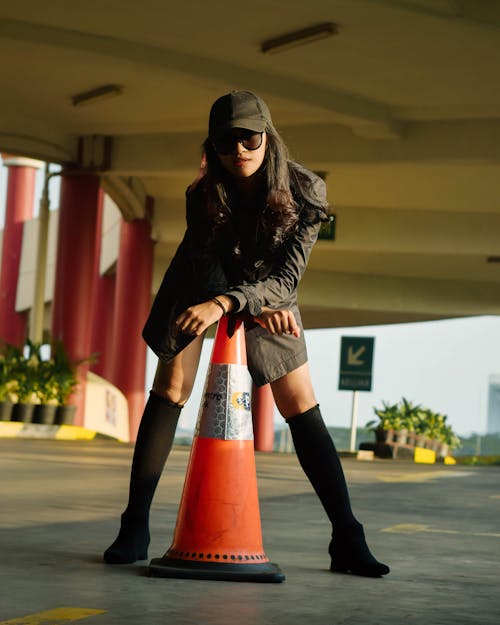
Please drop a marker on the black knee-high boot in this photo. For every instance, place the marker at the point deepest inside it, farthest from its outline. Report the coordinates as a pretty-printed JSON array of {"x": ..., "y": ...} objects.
[
  {"x": 154, "y": 442},
  {"x": 320, "y": 461}
]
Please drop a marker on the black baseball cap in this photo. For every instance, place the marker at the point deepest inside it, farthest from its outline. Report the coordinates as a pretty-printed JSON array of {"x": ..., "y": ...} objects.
[{"x": 238, "y": 109}]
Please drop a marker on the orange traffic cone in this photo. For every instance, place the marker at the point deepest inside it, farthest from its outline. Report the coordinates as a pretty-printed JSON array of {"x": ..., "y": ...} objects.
[{"x": 218, "y": 533}]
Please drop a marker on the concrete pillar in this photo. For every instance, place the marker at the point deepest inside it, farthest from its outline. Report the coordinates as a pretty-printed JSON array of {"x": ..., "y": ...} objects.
[
  {"x": 103, "y": 308},
  {"x": 102, "y": 325},
  {"x": 75, "y": 274},
  {"x": 19, "y": 208},
  {"x": 263, "y": 417},
  {"x": 134, "y": 274}
]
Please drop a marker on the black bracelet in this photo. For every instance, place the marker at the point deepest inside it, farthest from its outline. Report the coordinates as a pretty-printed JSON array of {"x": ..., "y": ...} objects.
[{"x": 220, "y": 304}]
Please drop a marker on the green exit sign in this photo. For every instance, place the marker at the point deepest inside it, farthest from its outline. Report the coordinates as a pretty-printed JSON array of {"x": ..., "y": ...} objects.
[{"x": 356, "y": 361}]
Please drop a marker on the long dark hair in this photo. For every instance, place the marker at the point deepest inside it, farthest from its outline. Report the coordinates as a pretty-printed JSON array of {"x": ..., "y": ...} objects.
[{"x": 279, "y": 214}]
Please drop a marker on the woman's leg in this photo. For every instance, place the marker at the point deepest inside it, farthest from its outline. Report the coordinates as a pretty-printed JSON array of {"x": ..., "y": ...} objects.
[
  {"x": 295, "y": 399},
  {"x": 172, "y": 387}
]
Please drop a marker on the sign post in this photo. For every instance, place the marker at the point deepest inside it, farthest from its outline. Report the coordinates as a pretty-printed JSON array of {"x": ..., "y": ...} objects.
[
  {"x": 354, "y": 420},
  {"x": 356, "y": 361}
]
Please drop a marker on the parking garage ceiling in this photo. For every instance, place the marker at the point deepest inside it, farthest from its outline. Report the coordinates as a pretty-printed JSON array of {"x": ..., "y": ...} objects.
[{"x": 399, "y": 106}]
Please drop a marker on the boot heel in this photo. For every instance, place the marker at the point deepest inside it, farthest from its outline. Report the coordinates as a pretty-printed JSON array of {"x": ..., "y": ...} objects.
[
  {"x": 131, "y": 543},
  {"x": 350, "y": 554}
]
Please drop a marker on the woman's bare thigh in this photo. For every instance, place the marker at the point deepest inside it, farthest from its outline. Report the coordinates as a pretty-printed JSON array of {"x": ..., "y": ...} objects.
[
  {"x": 174, "y": 380},
  {"x": 294, "y": 393}
]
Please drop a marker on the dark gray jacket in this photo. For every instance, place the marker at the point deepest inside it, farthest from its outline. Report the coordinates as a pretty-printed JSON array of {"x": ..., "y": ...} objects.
[{"x": 264, "y": 278}]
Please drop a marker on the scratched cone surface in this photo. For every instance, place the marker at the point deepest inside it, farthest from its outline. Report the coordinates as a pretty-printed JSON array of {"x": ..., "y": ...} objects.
[{"x": 218, "y": 532}]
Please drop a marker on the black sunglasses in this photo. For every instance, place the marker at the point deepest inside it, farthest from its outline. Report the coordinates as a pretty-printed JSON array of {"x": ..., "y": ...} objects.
[{"x": 249, "y": 139}]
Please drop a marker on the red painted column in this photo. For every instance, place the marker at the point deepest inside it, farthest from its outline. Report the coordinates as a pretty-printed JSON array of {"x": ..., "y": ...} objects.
[
  {"x": 102, "y": 312},
  {"x": 19, "y": 208},
  {"x": 75, "y": 274},
  {"x": 134, "y": 274},
  {"x": 263, "y": 417},
  {"x": 102, "y": 325}
]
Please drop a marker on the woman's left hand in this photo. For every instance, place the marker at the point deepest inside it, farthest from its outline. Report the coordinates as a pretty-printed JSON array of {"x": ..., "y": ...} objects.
[
  {"x": 196, "y": 319},
  {"x": 278, "y": 321}
]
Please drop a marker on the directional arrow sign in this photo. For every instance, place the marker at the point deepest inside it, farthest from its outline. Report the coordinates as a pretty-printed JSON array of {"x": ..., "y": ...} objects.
[{"x": 356, "y": 359}]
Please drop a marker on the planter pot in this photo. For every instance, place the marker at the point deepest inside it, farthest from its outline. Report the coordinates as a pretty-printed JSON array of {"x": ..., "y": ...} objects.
[
  {"x": 401, "y": 436},
  {"x": 384, "y": 436},
  {"x": 420, "y": 440},
  {"x": 44, "y": 413},
  {"x": 6, "y": 410},
  {"x": 443, "y": 450},
  {"x": 411, "y": 439},
  {"x": 23, "y": 412},
  {"x": 65, "y": 415}
]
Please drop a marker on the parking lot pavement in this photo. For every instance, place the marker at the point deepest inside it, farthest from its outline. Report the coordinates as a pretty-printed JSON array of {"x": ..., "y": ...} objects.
[{"x": 436, "y": 526}]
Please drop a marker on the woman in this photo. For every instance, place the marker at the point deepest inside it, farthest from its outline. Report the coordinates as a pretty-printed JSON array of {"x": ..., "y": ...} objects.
[{"x": 252, "y": 219}]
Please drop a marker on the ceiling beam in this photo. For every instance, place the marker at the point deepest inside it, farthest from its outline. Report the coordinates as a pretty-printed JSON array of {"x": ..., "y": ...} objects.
[
  {"x": 322, "y": 145},
  {"x": 374, "y": 117},
  {"x": 323, "y": 289},
  {"x": 410, "y": 231}
]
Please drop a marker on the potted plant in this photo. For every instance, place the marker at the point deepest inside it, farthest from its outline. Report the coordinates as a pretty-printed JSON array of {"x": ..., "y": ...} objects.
[
  {"x": 421, "y": 428},
  {"x": 384, "y": 426},
  {"x": 7, "y": 382},
  {"x": 396, "y": 422},
  {"x": 410, "y": 418},
  {"x": 448, "y": 440},
  {"x": 46, "y": 392},
  {"x": 433, "y": 423},
  {"x": 65, "y": 381},
  {"x": 24, "y": 373}
]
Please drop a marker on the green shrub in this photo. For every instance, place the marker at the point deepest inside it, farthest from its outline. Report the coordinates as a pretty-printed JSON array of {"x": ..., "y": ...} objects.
[{"x": 414, "y": 418}]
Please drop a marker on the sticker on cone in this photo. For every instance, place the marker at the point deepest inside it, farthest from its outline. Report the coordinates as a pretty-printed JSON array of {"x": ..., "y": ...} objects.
[
  {"x": 218, "y": 532},
  {"x": 225, "y": 406}
]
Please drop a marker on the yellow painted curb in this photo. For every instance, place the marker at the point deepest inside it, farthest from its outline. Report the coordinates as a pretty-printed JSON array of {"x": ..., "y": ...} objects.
[
  {"x": 10, "y": 429},
  {"x": 364, "y": 454},
  {"x": 424, "y": 456},
  {"x": 73, "y": 433},
  {"x": 450, "y": 460},
  {"x": 15, "y": 429}
]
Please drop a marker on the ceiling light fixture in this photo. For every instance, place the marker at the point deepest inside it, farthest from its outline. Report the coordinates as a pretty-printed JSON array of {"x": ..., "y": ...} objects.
[
  {"x": 299, "y": 37},
  {"x": 97, "y": 94}
]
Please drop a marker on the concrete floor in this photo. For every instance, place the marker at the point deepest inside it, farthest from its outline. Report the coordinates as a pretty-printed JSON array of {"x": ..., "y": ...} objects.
[{"x": 436, "y": 526}]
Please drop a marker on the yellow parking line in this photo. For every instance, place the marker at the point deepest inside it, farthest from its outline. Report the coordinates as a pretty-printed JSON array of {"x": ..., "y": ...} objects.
[
  {"x": 402, "y": 528},
  {"x": 421, "y": 476},
  {"x": 413, "y": 528},
  {"x": 57, "y": 616}
]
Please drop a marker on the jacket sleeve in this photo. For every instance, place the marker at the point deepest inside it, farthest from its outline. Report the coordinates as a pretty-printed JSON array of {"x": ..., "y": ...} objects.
[{"x": 275, "y": 290}]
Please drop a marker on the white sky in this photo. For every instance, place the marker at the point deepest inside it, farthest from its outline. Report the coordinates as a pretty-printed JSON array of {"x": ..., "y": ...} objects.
[{"x": 444, "y": 365}]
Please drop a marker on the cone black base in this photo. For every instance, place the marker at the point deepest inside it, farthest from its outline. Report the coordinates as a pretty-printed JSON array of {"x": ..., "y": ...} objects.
[{"x": 188, "y": 569}]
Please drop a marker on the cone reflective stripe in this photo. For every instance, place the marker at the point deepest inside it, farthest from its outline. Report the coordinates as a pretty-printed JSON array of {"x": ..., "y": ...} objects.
[{"x": 218, "y": 533}]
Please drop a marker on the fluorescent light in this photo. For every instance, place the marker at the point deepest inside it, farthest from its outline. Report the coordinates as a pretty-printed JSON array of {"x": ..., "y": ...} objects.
[
  {"x": 97, "y": 94},
  {"x": 299, "y": 37}
]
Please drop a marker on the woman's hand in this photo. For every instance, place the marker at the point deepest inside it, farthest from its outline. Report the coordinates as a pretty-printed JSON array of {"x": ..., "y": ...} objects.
[
  {"x": 278, "y": 321},
  {"x": 196, "y": 319}
]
